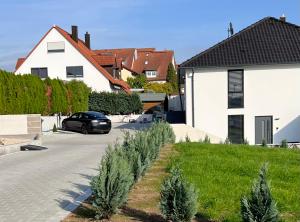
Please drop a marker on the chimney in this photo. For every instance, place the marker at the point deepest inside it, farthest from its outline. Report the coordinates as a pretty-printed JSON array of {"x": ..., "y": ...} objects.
[
  {"x": 282, "y": 18},
  {"x": 75, "y": 33},
  {"x": 87, "y": 40}
]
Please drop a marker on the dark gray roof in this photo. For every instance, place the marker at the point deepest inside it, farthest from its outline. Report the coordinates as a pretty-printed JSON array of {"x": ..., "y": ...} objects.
[
  {"x": 152, "y": 97},
  {"x": 268, "y": 41}
]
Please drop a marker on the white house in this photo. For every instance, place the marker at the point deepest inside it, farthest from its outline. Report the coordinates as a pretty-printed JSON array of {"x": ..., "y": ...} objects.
[
  {"x": 62, "y": 55},
  {"x": 248, "y": 86}
]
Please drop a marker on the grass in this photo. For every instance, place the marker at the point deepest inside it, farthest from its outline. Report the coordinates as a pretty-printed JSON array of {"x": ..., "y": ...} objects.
[
  {"x": 143, "y": 199},
  {"x": 223, "y": 173}
]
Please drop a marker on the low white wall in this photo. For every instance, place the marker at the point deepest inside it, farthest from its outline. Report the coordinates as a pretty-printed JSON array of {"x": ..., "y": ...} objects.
[
  {"x": 13, "y": 124},
  {"x": 127, "y": 118},
  {"x": 49, "y": 121},
  {"x": 182, "y": 131}
]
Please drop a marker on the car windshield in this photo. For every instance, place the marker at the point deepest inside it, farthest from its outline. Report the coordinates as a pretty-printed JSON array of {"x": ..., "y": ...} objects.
[{"x": 96, "y": 115}]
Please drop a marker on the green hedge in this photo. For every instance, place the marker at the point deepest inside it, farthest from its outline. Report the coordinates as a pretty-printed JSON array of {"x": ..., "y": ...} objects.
[
  {"x": 113, "y": 103},
  {"x": 25, "y": 94}
]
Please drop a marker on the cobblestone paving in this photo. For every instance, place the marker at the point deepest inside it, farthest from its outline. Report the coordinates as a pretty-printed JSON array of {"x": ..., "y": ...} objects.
[{"x": 38, "y": 185}]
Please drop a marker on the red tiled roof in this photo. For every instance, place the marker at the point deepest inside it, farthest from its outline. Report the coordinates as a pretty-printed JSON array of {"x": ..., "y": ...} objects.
[
  {"x": 88, "y": 54},
  {"x": 105, "y": 60},
  {"x": 126, "y": 55},
  {"x": 154, "y": 61},
  {"x": 19, "y": 62}
]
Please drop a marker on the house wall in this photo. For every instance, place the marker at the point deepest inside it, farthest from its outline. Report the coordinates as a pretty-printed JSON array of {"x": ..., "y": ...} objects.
[
  {"x": 57, "y": 62},
  {"x": 126, "y": 74},
  {"x": 268, "y": 91}
]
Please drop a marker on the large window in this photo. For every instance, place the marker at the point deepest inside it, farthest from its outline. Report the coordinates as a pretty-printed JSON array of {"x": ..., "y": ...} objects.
[
  {"x": 74, "y": 71},
  {"x": 151, "y": 74},
  {"x": 235, "y": 88},
  {"x": 236, "y": 129},
  {"x": 40, "y": 72}
]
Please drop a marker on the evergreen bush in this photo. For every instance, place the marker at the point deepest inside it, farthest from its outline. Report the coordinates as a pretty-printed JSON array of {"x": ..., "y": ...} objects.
[
  {"x": 111, "y": 186},
  {"x": 28, "y": 94},
  {"x": 264, "y": 143},
  {"x": 54, "y": 129},
  {"x": 206, "y": 139},
  {"x": 172, "y": 78},
  {"x": 137, "y": 82},
  {"x": 114, "y": 104},
  {"x": 284, "y": 144},
  {"x": 78, "y": 96},
  {"x": 259, "y": 205},
  {"x": 178, "y": 199}
]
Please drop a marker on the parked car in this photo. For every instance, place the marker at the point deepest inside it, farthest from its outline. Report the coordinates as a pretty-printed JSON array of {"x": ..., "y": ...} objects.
[{"x": 87, "y": 122}]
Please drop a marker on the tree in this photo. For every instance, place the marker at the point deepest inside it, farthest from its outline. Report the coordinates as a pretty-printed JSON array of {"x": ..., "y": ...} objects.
[
  {"x": 111, "y": 186},
  {"x": 178, "y": 199},
  {"x": 260, "y": 205},
  {"x": 172, "y": 77},
  {"x": 137, "y": 82}
]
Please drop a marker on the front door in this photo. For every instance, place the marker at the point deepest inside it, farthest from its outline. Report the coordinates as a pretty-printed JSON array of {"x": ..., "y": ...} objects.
[{"x": 263, "y": 129}]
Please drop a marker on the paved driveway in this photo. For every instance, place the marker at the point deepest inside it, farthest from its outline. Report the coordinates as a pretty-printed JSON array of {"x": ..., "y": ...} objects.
[{"x": 39, "y": 185}]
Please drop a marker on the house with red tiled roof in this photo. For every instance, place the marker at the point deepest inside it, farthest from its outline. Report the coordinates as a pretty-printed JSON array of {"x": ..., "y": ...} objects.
[
  {"x": 130, "y": 62},
  {"x": 63, "y": 55}
]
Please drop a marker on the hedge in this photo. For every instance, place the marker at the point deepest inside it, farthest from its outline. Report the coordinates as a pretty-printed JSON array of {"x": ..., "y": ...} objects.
[
  {"x": 26, "y": 94},
  {"x": 114, "y": 104}
]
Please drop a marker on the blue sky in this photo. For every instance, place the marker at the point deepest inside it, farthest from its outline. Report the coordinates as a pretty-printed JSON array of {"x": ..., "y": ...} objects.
[{"x": 186, "y": 26}]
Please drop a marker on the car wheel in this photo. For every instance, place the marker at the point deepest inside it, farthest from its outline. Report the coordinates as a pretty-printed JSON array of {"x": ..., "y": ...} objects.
[{"x": 84, "y": 130}]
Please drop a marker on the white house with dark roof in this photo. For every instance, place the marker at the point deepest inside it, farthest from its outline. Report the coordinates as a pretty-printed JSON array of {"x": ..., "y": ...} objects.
[
  {"x": 248, "y": 86},
  {"x": 62, "y": 55}
]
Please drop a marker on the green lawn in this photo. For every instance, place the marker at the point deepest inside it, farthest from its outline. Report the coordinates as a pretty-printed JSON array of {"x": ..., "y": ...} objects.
[{"x": 223, "y": 173}]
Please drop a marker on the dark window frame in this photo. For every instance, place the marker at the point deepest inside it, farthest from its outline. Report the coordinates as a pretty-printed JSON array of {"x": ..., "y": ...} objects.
[
  {"x": 39, "y": 68},
  {"x": 243, "y": 128},
  {"x": 229, "y": 92},
  {"x": 74, "y": 76}
]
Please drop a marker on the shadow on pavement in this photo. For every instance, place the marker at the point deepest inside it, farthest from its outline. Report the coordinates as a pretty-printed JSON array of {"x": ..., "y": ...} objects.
[{"x": 134, "y": 126}]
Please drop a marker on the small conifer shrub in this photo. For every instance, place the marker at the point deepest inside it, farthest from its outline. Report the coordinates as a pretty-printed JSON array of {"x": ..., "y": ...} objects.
[
  {"x": 259, "y": 205},
  {"x": 54, "y": 129},
  {"x": 111, "y": 186},
  {"x": 178, "y": 199},
  {"x": 264, "y": 143},
  {"x": 206, "y": 139},
  {"x": 284, "y": 144}
]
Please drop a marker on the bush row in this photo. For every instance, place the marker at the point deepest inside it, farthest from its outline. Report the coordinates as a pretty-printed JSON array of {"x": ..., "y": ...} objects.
[
  {"x": 25, "y": 94},
  {"x": 114, "y": 104},
  {"x": 124, "y": 164}
]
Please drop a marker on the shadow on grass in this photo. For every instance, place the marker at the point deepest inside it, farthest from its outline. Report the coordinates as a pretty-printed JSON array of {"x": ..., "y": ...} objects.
[
  {"x": 199, "y": 217},
  {"x": 141, "y": 215}
]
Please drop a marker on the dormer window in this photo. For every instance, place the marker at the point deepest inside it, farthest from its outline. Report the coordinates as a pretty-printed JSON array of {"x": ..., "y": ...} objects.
[
  {"x": 151, "y": 74},
  {"x": 53, "y": 47}
]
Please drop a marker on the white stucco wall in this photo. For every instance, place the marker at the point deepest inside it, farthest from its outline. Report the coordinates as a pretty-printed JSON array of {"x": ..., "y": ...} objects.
[
  {"x": 57, "y": 62},
  {"x": 268, "y": 91}
]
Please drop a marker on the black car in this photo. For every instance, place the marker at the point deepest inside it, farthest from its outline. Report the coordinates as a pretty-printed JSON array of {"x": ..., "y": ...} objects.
[{"x": 87, "y": 122}]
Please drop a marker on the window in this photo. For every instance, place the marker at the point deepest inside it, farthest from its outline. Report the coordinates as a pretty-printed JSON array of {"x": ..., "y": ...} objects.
[
  {"x": 74, "y": 71},
  {"x": 40, "y": 72},
  {"x": 236, "y": 129},
  {"x": 235, "y": 88},
  {"x": 56, "y": 47},
  {"x": 151, "y": 74}
]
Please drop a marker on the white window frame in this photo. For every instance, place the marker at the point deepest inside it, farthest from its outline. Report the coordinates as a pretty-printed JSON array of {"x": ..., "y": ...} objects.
[{"x": 151, "y": 74}]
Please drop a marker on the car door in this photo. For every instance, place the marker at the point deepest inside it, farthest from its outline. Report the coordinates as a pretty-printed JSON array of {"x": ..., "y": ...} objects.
[{"x": 73, "y": 122}]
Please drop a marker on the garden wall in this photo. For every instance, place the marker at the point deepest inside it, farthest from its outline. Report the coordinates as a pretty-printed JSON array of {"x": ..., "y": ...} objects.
[{"x": 20, "y": 124}]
